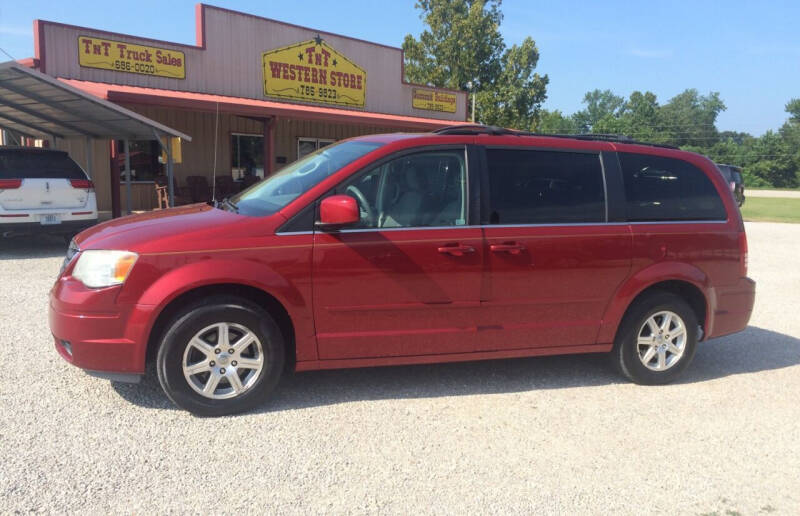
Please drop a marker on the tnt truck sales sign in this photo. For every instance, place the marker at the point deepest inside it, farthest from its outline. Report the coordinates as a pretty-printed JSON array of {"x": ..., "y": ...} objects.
[
  {"x": 127, "y": 57},
  {"x": 313, "y": 71}
]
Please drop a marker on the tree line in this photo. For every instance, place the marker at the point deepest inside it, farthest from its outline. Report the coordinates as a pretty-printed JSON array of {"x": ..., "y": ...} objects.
[{"x": 462, "y": 48}]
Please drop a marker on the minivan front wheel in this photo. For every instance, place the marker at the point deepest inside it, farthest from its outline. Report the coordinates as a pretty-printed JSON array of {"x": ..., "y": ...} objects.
[
  {"x": 657, "y": 339},
  {"x": 223, "y": 360},
  {"x": 221, "y": 356}
]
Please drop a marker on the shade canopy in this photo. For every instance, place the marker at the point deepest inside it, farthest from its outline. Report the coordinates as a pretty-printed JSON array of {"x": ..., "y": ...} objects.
[
  {"x": 253, "y": 107},
  {"x": 36, "y": 105}
]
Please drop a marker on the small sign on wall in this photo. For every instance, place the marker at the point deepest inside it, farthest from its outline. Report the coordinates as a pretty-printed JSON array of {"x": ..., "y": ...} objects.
[
  {"x": 432, "y": 100},
  {"x": 175, "y": 149},
  {"x": 118, "y": 56}
]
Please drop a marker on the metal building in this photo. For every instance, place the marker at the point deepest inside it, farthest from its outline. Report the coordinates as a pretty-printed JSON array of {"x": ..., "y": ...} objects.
[{"x": 253, "y": 94}]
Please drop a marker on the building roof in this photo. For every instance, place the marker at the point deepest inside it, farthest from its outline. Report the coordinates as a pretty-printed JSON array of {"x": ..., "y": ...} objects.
[
  {"x": 249, "y": 107},
  {"x": 37, "y": 105}
]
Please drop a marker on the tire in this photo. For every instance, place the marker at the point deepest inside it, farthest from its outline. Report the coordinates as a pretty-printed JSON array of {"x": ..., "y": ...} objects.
[
  {"x": 629, "y": 356},
  {"x": 193, "y": 339}
]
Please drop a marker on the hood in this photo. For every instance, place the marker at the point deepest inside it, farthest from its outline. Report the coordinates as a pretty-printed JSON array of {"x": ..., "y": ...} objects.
[{"x": 174, "y": 229}]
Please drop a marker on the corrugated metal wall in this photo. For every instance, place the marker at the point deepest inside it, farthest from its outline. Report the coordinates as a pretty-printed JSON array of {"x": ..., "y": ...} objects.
[
  {"x": 287, "y": 133},
  {"x": 100, "y": 165},
  {"x": 231, "y": 62},
  {"x": 198, "y": 155}
]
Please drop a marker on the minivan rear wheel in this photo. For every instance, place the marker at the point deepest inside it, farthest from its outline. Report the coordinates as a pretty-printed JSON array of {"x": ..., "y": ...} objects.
[
  {"x": 221, "y": 356},
  {"x": 656, "y": 340}
]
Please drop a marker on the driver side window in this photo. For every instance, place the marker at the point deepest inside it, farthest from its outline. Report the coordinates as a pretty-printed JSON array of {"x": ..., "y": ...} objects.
[{"x": 428, "y": 189}]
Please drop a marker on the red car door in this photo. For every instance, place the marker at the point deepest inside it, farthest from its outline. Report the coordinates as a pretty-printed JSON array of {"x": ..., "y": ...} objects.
[
  {"x": 407, "y": 280},
  {"x": 553, "y": 262}
]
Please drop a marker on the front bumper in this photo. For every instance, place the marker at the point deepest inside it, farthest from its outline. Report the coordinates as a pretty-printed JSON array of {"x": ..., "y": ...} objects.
[{"x": 94, "y": 333}]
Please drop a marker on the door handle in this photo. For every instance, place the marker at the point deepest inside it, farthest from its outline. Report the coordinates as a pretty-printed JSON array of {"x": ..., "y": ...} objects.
[
  {"x": 456, "y": 250},
  {"x": 510, "y": 248}
]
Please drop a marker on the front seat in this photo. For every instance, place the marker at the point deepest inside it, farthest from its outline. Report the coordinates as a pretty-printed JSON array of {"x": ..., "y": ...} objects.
[
  {"x": 405, "y": 211},
  {"x": 447, "y": 211}
]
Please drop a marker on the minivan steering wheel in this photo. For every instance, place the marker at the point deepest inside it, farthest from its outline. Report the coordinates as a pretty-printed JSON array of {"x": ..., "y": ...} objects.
[{"x": 362, "y": 202}]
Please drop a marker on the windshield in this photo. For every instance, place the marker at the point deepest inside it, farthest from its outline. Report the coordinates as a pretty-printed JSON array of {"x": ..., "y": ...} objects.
[{"x": 277, "y": 191}]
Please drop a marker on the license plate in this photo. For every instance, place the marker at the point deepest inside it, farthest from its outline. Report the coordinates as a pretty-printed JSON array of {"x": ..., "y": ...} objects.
[{"x": 49, "y": 219}]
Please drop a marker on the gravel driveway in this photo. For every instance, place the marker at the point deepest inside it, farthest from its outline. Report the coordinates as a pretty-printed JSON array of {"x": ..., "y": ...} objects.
[{"x": 553, "y": 435}]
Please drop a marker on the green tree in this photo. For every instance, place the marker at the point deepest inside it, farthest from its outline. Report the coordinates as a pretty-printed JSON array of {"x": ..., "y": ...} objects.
[
  {"x": 643, "y": 115},
  {"x": 690, "y": 118},
  {"x": 612, "y": 124},
  {"x": 554, "y": 122},
  {"x": 599, "y": 105},
  {"x": 462, "y": 49},
  {"x": 739, "y": 138},
  {"x": 790, "y": 132},
  {"x": 793, "y": 108},
  {"x": 769, "y": 160}
]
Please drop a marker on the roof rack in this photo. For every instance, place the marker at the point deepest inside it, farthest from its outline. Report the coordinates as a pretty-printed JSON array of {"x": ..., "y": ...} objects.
[
  {"x": 497, "y": 131},
  {"x": 473, "y": 129}
]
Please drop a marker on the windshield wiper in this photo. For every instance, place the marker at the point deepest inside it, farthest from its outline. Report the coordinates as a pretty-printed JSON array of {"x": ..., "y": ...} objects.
[{"x": 232, "y": 205}]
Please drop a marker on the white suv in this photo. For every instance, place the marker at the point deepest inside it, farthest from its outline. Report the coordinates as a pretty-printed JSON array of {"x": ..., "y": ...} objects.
[{"x": 44, "y": 191}]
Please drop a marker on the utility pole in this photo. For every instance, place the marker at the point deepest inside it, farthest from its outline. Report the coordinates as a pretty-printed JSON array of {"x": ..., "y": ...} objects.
[
  {"x": 471, "y": 86},
  {"x": 473, "y": 108}
]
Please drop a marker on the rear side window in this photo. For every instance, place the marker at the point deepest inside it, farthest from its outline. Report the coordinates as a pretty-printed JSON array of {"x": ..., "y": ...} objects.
[
  {"x": 38, "y": 165},
  {"x": 665, "y": 189},
  {"x": 545, "y": 187}
]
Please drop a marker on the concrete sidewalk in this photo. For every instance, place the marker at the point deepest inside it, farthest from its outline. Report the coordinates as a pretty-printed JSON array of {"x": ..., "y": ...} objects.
[{"x": 788, "y": 194}]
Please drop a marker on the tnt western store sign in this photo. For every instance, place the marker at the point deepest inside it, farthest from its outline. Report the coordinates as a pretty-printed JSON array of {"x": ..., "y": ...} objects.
[
  {"x": 254, "y": 92},
  {"x": 313, "y": 71}
]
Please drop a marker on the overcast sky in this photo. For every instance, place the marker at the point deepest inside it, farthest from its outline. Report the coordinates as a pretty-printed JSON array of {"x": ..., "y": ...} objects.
[{"x": 748, "y": 51}]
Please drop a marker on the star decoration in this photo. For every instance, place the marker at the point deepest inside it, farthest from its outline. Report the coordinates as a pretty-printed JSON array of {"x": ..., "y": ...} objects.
[
  {"x": 300, "y": 56},
  {"x": 318, "y": 40},
  {"x": 334, "y": 62}
]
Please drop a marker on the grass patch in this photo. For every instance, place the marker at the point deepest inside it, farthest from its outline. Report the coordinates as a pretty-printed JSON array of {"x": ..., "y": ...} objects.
[{"x": 771, "y": 209}]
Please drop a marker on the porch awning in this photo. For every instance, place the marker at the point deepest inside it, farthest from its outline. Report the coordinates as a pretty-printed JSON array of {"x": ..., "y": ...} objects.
[
  {"x": 251, "y": 107},
  {"x": 36, "y": 105}
]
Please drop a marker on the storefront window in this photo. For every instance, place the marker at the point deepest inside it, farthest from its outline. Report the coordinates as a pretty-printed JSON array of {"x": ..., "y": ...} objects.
[
  {"x": 247, "y": 155},
  {"x": 145, "y": 165},
  {"x": 278, "y": 190},
  {"x": 306, "y": 146}
]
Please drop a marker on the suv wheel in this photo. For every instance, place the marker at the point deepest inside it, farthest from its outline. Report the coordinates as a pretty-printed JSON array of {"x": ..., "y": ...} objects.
[
  {"x": 656, "y": 340},
  {"x": 220, "y": 357}
]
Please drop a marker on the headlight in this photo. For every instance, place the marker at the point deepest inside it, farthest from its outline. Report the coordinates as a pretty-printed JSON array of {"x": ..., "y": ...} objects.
[{"x": 104, "y": 268}]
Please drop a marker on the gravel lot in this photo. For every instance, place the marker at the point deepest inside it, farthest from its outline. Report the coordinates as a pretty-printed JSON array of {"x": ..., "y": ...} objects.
[{"x": 553, "y": 435}]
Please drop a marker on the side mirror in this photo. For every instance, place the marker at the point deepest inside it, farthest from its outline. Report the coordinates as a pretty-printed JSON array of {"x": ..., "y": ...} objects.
[{"x": 337, "y": 211}]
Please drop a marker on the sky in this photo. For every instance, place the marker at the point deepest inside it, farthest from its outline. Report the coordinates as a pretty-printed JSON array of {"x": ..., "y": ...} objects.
[{"x": 747, "y": 51}]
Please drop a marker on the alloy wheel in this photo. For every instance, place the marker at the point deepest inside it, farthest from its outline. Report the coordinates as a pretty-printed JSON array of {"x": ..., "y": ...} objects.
[
  {"x": 223, "y": 360},
  {"x": 661, "y": 341}
]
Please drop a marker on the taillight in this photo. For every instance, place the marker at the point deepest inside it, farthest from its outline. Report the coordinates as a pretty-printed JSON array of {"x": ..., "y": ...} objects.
[
  {"x": 742, "y": 254},
  {"x": 10, "y": 184},
  {"x": 84, "y": 184}
]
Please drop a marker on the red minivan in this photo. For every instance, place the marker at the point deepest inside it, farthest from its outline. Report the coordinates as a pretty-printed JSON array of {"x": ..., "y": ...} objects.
[{"x": 468, "y": 243}]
